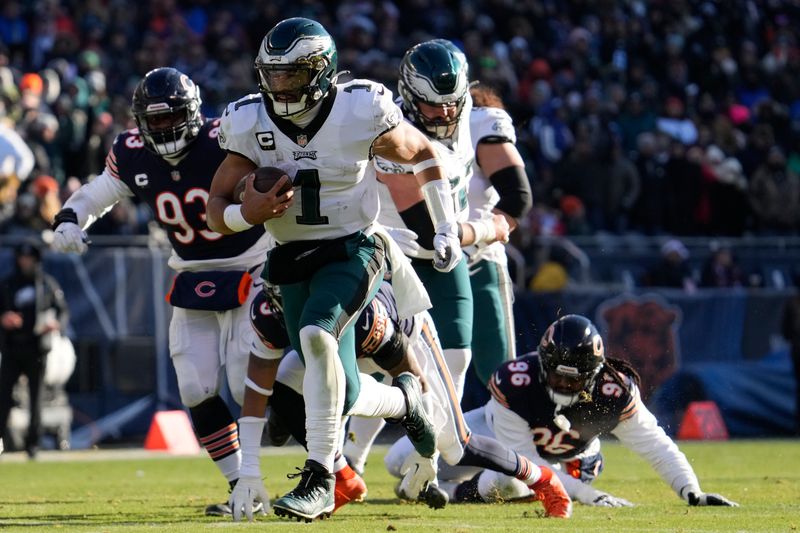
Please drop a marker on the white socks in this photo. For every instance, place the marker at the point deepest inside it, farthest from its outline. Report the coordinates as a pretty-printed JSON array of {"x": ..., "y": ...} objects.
[
  {"x": 325, "y": 377},
  {"x": 378, "y": 400}
]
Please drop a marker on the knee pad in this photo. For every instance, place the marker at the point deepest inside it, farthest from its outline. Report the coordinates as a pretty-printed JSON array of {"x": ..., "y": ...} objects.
[
  {"x": 193, "y": 389},
  {"x": 315, "y": 341},
  {"x": 193, "y": 395}
]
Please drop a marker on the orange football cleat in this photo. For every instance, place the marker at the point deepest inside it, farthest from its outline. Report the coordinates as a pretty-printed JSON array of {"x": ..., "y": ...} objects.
[
  {"x": 553, "y": 495},
  {"x": 350, "y": 487}
]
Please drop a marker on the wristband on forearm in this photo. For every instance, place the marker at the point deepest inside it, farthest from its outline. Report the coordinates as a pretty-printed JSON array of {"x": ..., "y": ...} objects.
[
  {"x": 424, "y": 165},
  {"x": 483, "y": 230},
  {"x": 65, "y": 215},
  {"x": 250, "y": 430},
  {"x": 233, "y": 218}
]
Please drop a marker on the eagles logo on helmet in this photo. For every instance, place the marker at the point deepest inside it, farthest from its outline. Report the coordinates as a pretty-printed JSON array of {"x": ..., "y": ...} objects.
[
  {"x": 434, "y": 73},
  {"x": 295, "y": 66}
]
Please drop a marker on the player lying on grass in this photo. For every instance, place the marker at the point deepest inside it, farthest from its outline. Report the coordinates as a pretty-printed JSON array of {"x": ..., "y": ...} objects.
[
  {"x": 553, "y": 406},
  {"x": 391, "y": 346}
]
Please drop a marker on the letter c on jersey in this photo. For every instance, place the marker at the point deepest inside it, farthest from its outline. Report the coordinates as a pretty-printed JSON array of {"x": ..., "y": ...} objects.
[{"x": 205, "y": 289}]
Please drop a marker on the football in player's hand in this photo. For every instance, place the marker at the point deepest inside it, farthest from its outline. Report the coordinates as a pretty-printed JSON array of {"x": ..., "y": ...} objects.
[{"x": 265, "y": 179}]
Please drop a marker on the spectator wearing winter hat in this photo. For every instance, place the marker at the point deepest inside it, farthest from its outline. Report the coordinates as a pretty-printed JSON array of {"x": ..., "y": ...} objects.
[
  {"x": 46, "y": 190},
  {"x": 673, "y": 268}
]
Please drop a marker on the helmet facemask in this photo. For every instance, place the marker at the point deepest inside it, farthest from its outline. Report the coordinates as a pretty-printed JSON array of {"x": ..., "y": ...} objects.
[
  {"x": 292, "y": 88},
  {"x": 439, "y": 127},
  {"x": 166, "y": 107},
  {"x": 565, "y": 385},
  {"x": 571, "y": 355},
  {"x": 166, "y": 130}
]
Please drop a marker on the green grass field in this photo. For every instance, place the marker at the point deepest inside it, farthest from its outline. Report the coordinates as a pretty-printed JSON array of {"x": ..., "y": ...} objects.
[{"x": 99, "y": 494}]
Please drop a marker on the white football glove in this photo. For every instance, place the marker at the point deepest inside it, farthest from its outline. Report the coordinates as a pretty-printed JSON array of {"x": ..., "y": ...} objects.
[
  {"x": 709, "y": 498},
  {"x": 607, "y": 500},
  {"x": 69, "y": 237},
  {"x": 446, "y": 246},
  {"x": 247, "y": 491},
  {"x": 406, "y": 240},
  {"x": 417, "y": 472}
]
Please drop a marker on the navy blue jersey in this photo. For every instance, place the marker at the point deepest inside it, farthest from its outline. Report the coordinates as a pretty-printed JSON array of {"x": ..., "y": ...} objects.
[
  {"x": 517, "y": 386},
  {"x": 178, "y": 195},
  {"x": 268, "y": 322},
  {"x": 371, "y": 324}
]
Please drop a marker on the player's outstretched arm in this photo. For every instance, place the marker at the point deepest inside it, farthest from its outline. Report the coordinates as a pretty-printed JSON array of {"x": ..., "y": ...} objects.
[
  {"x": 406, "y": 144},
  {"x": 249, "y": 487},
  {"x": 642, "y": 434},
  {"x": 90, "y": 202}
]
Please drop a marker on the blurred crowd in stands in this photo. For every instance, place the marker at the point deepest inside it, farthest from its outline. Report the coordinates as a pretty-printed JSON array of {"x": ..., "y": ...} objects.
[{"x": 660, "y": 117}]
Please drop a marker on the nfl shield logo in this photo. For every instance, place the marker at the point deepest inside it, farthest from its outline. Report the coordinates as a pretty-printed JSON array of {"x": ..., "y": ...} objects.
[
  {"x": 302, "y": 140},
  {"x": 176, "y": 175}
]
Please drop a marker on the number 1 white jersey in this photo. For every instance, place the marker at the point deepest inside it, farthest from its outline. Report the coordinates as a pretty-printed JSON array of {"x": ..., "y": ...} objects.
[{"x": 329, "y": 160}]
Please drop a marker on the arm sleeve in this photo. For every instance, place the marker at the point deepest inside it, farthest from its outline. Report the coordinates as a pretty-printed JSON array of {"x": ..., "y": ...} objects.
[
  {"x": 95, "y": 198},
  {"x": 512, "y": 184},
  {"x": 642, "y": 434}
]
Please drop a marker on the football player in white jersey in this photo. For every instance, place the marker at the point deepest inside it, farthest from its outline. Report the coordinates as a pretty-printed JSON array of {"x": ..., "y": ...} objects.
[
  {"x": 169, "y": 162},
  {"x": 499, "y": 185},
  {"x": 328, "y": 262},
  {"x": 434, "y": 89}
]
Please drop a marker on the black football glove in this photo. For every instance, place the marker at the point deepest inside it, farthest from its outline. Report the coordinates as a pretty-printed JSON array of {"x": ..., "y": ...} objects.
[{"x": 709, "y": 498}]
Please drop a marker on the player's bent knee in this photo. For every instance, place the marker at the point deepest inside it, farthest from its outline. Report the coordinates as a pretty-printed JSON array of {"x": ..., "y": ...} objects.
[
  {"x": 315, "y": 341},
  {"x": 194, "y": 394}
]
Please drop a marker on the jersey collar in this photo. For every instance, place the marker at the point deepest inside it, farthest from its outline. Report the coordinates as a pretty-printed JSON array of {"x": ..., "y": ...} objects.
[{"x": 302, "y": 136}]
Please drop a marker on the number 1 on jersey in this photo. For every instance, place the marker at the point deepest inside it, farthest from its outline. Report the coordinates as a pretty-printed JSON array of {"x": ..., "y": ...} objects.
[{"x": 308, "y": 180}]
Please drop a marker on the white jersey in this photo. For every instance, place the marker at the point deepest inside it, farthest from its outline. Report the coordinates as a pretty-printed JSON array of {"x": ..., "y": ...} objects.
[
  {"x": 456, "y": 157},
  {"x": 494, "y": 125},
  {"x": 328, "y": 159}
]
